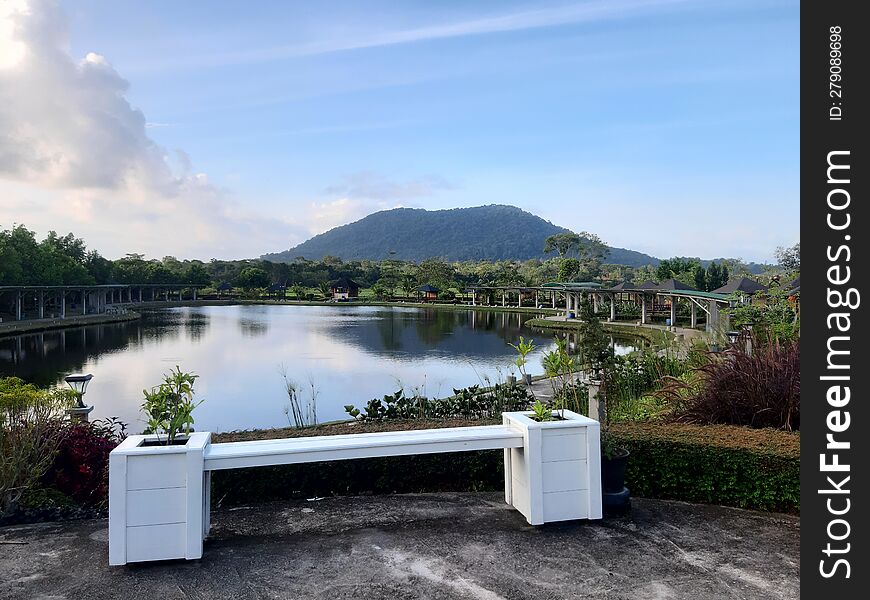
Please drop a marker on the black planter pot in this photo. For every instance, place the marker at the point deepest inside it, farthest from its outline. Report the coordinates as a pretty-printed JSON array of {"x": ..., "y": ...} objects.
[
  {"x": 616, "y": 497},
  {"x": 613, "y": 471}
]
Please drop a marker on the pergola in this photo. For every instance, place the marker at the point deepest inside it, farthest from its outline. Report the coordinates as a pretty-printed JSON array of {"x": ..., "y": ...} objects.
[
  {"x": 59, "y": 301},
  {"x": 567, "y": 295}
]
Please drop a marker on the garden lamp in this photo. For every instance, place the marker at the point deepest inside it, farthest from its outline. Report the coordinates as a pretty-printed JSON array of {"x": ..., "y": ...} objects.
[
  {"x": 732, "y": 336},
  {"x": 79, "y": 384}
]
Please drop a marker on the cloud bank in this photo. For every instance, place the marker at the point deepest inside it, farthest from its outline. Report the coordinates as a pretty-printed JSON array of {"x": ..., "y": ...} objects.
[{"x": 74, "y": 154}]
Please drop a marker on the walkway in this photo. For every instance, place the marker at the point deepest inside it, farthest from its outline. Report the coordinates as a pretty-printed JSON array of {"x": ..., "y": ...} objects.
[{"x": 446, "y": 546}]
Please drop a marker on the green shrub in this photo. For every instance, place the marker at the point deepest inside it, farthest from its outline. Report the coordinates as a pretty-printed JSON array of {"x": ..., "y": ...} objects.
[
  {"x": 31, "y": 427},
  {"x": 713, "y": 464}
]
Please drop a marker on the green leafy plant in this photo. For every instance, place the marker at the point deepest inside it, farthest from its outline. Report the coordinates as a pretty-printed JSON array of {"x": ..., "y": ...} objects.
[
  {"x": 524, "y": 347},
  {"x": 467, "y": 403},
  {"x": 169, "y": 406},
  {"x": 541, "y": 412},
  {"x": 561, "y": 368},
  {"x": 31, "y": 429}
]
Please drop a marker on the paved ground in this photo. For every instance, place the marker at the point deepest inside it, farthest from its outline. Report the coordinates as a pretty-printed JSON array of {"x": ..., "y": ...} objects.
[{"x": 439, "y": 546}]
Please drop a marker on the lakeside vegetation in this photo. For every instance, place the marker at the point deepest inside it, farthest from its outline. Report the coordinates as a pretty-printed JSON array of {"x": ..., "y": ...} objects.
[{"x": 66, "y": 260}]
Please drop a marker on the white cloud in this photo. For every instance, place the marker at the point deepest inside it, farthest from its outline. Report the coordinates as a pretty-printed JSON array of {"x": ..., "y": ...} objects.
[
  {"x": 326, "y": 215},
  {"x": 74, "y": 154}
]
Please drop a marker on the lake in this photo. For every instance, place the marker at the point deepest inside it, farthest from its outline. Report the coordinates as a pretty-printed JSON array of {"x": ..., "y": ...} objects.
[{"x": 345, "y": 354}]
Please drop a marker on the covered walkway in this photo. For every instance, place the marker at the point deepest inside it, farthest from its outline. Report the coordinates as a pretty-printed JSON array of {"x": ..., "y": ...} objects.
[
  {"x": 29, "y": 302},
  {"x": 647, "y": 299}
]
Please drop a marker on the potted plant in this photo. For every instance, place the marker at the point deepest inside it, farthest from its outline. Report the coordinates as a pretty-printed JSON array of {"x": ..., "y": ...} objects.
[
  {"x": 169, "y": 408},
  {"x": 156, "y": 480},
  {"x": 597, "y": 356}
]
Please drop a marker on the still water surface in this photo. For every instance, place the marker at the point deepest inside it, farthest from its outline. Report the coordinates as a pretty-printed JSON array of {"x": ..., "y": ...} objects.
[{"x": 349, "y": 354}]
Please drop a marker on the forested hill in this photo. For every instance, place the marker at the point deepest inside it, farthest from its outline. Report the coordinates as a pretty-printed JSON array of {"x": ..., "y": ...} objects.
[{"x": 494, "y": 232}]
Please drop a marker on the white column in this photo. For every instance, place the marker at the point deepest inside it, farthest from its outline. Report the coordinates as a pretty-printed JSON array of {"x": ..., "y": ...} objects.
[
  {"x": 612, "y": 307},
  {"x": 63, "y": 304},
  {"x": 553, "y": 298},
  {"x": 18, "y": 306},
  {"x": 673, "y": 311},
  {"x": 694, "y": 315},
  {"x": 643, "y": 308},
  {"x": 41, "y": 300},
  {"x": 503, "y": 298},
  {"x": 194, "y": 294}
]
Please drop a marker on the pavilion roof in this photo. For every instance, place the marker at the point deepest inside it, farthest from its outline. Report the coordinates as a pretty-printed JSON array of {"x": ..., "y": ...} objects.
[
  {"x": 741, "y": 284},
  {"x": 674, "y": 284}
]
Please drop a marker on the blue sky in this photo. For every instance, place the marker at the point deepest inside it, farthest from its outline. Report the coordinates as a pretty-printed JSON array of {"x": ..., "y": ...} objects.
[{"x": 665, "y": 126}]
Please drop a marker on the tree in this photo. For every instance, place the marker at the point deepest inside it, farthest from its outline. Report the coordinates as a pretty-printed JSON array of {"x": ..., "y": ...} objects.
[
  {"x": 593, "y": 343},
  {"x": 700, "y": 276},
  {"x": 437, "y": 272},
  {"x": 789, "y": 258},
  {"x": 725, "y": 274},
  {"x": 197, "y": 274},
  {"x": 569, "y": 269},
  {"x": 563, "y": 243},
  {"x": 252, "y": 277},
  {"x": 714, "y": 277}
]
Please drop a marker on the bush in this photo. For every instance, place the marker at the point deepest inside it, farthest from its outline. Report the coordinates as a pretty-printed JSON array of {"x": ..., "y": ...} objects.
[
  {"x": 761, "y": 389},
  {"x": 31, "y": 426},
  {"x": 629, "y": 378},
  {"x": 714, "y": 464},
  {"x": 81, "y": 467},
  {"x": 466, "y": 403}
]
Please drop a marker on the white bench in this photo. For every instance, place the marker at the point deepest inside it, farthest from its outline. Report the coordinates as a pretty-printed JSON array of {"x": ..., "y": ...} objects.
[{"x": 159, "y": 496}]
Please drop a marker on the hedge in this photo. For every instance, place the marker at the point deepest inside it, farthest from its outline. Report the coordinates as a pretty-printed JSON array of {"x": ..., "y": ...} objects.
[
  {"x": 713, "y": 464},
  {"x": 725, "y": 465}
]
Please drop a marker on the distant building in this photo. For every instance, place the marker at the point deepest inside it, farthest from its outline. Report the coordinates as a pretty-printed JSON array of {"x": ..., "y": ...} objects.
[
  {"x": 673, "y": 285},
  {"x": 224, "y": 287},
  {"x": 428, "y": 292},
  {"x": 344, "y": 288},
  {"x": 277, "y": 289},
  {"x": 741, "y": 285}
]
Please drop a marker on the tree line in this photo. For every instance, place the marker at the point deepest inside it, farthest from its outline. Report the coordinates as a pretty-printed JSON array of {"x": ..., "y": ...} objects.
[{"x": 66, "y": 260}]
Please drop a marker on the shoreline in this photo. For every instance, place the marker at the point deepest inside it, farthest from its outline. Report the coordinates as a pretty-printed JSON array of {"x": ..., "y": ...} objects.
[
  {"x": 13, "y": 328},
  {"x": 653, "y": 334}
]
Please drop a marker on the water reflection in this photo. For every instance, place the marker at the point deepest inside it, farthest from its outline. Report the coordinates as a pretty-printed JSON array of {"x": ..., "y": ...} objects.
[{"x": 350, "y": 354}]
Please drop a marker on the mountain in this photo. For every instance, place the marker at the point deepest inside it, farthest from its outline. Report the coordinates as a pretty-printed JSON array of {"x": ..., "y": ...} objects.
[{"x": 494, "y": 232}]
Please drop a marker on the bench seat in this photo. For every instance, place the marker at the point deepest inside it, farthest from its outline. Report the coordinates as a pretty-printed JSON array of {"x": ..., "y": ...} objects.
[
  {"x": 160, "y": 496},
  {"x": 262, "y": 453}
]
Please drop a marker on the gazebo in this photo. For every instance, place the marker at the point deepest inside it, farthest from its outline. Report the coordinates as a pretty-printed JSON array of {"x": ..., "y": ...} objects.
[
  {"x": 344, "y": 288},
  {"x": 224, "y": 288},
  {"x": 429, "y": 292}
]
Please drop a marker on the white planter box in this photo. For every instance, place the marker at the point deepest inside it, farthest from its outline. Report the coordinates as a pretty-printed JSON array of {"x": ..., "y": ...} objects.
[
  {"x": 556, "y": 475},
  {"x": 158, "y": 500}
]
